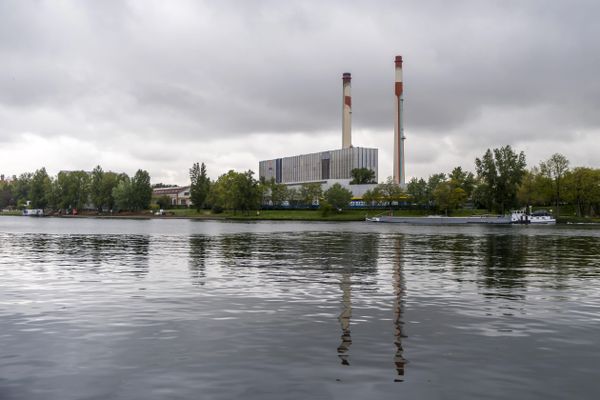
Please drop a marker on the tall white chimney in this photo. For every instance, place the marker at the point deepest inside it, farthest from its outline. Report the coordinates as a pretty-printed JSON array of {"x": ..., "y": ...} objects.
[
  {"x": 399, "y": 163},
  {"x": 346, "y": 112}
]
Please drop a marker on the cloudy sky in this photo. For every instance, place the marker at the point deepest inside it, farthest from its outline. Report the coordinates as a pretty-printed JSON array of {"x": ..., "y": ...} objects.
[{"x": 160, "y": 85}]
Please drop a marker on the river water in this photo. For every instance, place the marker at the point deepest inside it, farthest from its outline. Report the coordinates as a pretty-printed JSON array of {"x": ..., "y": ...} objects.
[{"x": 179, "y": 309}]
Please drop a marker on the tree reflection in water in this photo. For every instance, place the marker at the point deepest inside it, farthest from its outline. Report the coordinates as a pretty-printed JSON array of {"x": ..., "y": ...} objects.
[{"x": 503, "y": 266}]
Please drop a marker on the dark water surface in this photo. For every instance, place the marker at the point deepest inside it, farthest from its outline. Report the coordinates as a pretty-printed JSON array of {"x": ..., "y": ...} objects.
[{"x": 177, "y": 309}]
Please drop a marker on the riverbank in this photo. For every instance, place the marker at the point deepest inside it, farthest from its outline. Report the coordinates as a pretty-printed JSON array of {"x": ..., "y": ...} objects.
[
  {"x": 262, "y": 215},
  {"x": 288, "y": 215}
]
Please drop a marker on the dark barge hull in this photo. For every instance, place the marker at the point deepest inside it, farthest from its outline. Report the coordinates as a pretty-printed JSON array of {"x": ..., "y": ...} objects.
[{"x": 440, "y": 220}]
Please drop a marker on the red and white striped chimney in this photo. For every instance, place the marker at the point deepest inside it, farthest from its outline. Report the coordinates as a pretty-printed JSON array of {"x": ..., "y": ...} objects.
[
  {"x": 346, "y": 112},
  {"x": 399, "y": 173}
]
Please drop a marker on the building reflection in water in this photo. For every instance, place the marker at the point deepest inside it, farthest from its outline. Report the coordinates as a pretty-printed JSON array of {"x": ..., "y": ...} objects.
[
  {"x": 197, "y": 260},
  {"x": 399, "y": 293}
]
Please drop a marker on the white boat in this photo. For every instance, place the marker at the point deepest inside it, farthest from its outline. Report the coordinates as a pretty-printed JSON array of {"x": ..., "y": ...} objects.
[
  {"x": 542, "y": 217},
  {"x": 536, "y": 217},
  {"x": 33, "y": 212}
]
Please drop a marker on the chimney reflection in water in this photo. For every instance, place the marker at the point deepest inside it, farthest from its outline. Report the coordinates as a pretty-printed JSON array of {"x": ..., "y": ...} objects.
[
  {"x": 399, "y": 291},
  {"x": 344, "y": 318}
]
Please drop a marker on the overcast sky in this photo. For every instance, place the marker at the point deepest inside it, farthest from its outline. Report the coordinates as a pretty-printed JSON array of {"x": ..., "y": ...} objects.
[{"x": 159, "y": 85}]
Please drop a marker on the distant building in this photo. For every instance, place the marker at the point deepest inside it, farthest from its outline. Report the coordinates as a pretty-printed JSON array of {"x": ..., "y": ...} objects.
[
  {"x": 326, "y": 167},
  {"x": 323, "y": 166},
  {"x": 180, "y": 195}
]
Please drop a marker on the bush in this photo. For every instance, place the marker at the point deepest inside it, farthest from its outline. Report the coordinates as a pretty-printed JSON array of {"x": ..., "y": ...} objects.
[
  {"x": 338, "y": 197},
  {"x": 325, "y": 208}
]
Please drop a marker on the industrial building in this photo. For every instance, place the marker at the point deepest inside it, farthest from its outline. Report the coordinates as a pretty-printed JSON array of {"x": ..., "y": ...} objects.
[
  {"x": 336, "y": 165},
  {"x": 333, "y": 164}
]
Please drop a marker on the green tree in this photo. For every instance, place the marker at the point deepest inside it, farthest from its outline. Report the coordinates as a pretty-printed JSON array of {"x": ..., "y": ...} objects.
[
  {"x": 448, "y": 197},
  {"x": 141, "y": 190},
  {"x": 293, "y": 196},
  {"x": 501, "y": 171},
  {"x": 417, "y": 190},
  {"x": 220, "y": 195},
  {"x": 462, "y": 179},
  {"x": 369, "y": 198},
  {"x": 163, "y": 201},
  {"x": 200, "y": 185},
  {"x": 40, "y": 189},
  {"x": 123, "y": 194},
  {"x": 487, "y": 176},
  {"x": 582, "y": 189},
  {"x": 432, "y": 184},
  {"x": 278, "y": 193},
  {"x": 535, "y": 189},
  {"x": 310, "y": 192},
  {"x": 6, "y": 195},
  {"x": 338, "y": 197},
  {"x": 101, "y": 187},
  {"x": 246, "y": 195},
  {"x": 237, "y": 191},
  {"x": 96, "y": 187},
  {"x": 20, "y": 188},
  {"x": 71, "y": 189},
  {"x": 110, "y": 180},
  {"x": 362, "y": 176},
  {"x": 555, "y": 168},
  {"x": 390, "y": 192},
  {"x": 273, "y": 193}
]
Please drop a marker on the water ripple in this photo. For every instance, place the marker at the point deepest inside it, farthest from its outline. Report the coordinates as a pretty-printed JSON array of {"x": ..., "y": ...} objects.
[{"x": 129, "y": 309}]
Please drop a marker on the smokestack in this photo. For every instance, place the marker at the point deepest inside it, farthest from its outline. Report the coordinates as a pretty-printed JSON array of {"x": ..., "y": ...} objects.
[
  {"x": 346, "y": 112},
  {"x": 399, "y": 173}
]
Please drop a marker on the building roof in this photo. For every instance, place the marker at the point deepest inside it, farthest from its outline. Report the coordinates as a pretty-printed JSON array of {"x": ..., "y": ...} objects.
[{"x": 169, "y": 190}]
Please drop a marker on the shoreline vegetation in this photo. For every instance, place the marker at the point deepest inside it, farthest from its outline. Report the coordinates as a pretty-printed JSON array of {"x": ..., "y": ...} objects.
[
  {"x": 356, "y": 215},
  {"x": 500, "y": 184}
]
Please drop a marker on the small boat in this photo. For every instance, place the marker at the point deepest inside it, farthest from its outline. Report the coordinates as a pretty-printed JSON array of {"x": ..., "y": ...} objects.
[
  {"x": 541, "y": 217},
  {"x": 33, "y": 212}
]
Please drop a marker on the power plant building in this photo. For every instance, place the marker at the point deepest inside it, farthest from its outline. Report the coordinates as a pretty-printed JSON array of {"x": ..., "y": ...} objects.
[
  {"x": 326, "y": 165},
  {"x": 337, "y": 165}
]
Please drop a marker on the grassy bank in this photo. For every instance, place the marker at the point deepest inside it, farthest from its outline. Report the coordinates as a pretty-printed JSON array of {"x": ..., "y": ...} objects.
[
  {"x": 271, "y": 215},
  {"x": 306, "y": 215},
  {"x": 13, "y": 213},
  {"x": 577, "y": 220},
  {"x": 295, "y": 215}
]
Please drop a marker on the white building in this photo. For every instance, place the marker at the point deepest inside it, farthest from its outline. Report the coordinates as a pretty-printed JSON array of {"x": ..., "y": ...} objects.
[{"x": 180, "y": 195}]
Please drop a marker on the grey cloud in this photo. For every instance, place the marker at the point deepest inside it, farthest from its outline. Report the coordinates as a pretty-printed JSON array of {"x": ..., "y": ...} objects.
[{"x": 200, "y": 70}]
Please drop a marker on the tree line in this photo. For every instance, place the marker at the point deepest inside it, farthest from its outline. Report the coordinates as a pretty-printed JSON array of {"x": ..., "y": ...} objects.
[
  {"x": 76, "y": 190},
  {"x": 241, "y": 192},
  {"x": 501, "y": 182}
]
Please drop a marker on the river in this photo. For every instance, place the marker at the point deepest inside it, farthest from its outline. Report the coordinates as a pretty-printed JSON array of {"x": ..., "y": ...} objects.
[{"x": 182, "y": 309}]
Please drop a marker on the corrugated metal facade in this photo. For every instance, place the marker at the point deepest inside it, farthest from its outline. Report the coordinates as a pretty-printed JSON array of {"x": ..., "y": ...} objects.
[{"x": 333, "y": 164}]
